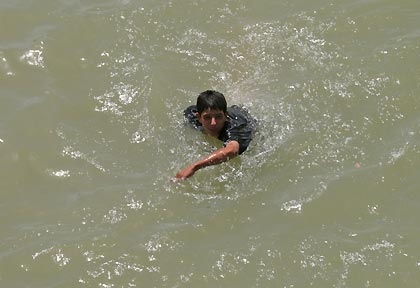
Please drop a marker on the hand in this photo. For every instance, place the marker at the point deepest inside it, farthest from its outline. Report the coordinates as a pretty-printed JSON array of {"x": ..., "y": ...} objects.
[{"x": 185, "y": 173}]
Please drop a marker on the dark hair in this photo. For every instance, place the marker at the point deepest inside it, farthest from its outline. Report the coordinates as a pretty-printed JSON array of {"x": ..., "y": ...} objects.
[{"x": 211, "y": 99}]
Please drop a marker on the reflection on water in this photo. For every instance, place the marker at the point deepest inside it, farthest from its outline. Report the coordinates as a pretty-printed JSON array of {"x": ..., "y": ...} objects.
[{"x": 91, "y": 134}]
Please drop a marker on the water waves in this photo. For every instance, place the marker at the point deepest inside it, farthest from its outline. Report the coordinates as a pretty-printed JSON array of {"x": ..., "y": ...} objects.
[{"x": 314, "y": 201}]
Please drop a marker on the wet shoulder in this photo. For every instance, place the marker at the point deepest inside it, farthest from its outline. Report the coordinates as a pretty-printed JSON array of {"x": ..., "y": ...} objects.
[{"x": 240, "y": 116}]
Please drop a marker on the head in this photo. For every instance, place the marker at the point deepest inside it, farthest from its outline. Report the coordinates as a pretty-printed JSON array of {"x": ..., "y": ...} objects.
[
  {"x": 212, "y": 111},
  {"x": 211, "y": 99}
]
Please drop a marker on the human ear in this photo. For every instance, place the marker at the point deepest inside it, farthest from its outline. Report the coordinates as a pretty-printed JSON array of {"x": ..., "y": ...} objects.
[{"x": 198, "y": 116}]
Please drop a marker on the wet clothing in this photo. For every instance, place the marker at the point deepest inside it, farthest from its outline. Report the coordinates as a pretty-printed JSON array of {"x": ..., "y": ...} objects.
[{"x": 239, "y": 125}]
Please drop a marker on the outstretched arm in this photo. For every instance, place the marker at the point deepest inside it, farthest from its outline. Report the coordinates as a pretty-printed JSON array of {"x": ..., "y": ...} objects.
[{"x": 222, "y": 155}]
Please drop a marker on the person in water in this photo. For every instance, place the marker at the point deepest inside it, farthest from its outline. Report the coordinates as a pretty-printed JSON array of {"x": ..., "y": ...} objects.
[{"x": 232, "y": 125}]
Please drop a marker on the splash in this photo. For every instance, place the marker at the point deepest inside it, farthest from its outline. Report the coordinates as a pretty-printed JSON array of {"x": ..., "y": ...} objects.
[{"x": 34, "y": 57}]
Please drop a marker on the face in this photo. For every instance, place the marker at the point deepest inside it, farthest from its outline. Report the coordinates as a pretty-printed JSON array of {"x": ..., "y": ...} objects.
[{"x": 212, "y": 121}]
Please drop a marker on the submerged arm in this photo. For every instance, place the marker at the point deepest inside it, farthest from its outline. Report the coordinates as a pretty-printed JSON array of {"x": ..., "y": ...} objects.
[{"x": 219, "y": 156}]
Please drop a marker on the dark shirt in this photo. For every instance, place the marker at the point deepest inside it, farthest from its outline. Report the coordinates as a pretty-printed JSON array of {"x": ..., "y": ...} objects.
[{"x": 239, "y": 125}]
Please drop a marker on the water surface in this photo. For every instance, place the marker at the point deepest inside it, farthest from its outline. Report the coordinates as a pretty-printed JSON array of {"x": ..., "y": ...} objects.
[{"x": 92, "y": 132}]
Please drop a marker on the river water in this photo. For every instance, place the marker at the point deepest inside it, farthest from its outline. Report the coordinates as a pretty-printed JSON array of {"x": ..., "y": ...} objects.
[{"x": 92, "y": 132}]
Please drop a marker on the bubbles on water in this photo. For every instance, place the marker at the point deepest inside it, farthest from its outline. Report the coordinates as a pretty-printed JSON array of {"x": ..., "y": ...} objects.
[
  {"x": 56, "y": 254},
  {"x": 229, "y": 264},
  {"x": 114, "y": 216},
  {"x": 299, "y": 45},
  {"x": 396, "y": 154},
  {"x": 42, "y": 252},
  {"x": 292, "y": 206},
  {"x": 60, "y": 259},
  {"x": 322, "y": 106},
  {"x": 373, "y": 209},
  {"x": 318, "y": 261},
  {"x": 59, "y": 173},
  {"x": 114, "y": 101},
  {"x": 34, "y": 57},
  {"x": 5, "y": 68},
  {"x": 91, "y": 256},
  {"x": 134, "y": 204},
  {"x": 194, "y": 47},
  {"x": 144, "y": 131},
  {"x": 76, "y": 154},
  {"x": 159, "y": 242},
  {"x": 126, "y": 99},
  {"x": 110, "y": 270}
]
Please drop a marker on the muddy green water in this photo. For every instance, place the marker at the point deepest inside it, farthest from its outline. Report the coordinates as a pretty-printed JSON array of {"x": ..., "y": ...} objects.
[{"x": 92, "y": 131}]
